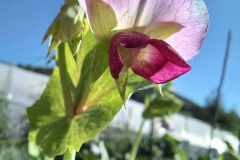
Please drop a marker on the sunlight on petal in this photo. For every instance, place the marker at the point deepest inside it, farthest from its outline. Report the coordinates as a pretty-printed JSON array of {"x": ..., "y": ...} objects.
[
  {"x": 164, "y": 30},
  {"x": 102, "y": 19}
]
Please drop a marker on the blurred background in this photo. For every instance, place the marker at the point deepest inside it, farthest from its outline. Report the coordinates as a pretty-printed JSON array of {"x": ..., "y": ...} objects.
[{"x": 24, "y": 73}]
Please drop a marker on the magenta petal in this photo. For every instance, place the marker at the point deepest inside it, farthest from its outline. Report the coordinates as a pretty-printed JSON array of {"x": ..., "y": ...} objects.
[
  {"x": 126, "y": 40},
  {"x": 160, "y": 63}
]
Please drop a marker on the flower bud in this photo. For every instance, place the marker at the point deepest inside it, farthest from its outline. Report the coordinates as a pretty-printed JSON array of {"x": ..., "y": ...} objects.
[{"x": 67, "y": 27}]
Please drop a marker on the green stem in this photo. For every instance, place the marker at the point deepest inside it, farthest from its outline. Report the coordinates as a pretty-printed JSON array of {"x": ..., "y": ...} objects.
[
  {"x": 65, "y": 81},
  {"x": 137, "y": 142},
  {"x": 69, "y": 155}
]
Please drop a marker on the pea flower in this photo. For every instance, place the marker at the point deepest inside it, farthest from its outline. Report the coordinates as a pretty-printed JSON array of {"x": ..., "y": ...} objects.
[{"x": 154, "y": 38}]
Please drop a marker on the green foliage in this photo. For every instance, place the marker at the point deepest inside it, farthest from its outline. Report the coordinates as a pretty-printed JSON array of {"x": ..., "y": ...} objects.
[
  {"x": 230, "y": 147},
  {"x": 230, "y": 156},
  {"x": 66, "y": 27},
  {"x": 226, "y": 119},
  {"x": 202, "y": 157},
  {"x": 55, "y": 124},
  {"x": 99, "y": 61},
  {"x": 182, "y": 154},
  {"x": 117, "y": 142},
  {"x": 137, "y": 141},
  {"x": 121, "y": 84},
  {"x": 165, "y": 148},
  {"x": 13, "y": 149},
  {"x": 86, "y": 153},
  {"x": 68, "y": 77},
  {"x": 118, "y": 145},
  {"x": 228, "y": 122},
  {"x": 171, "y": 146},
  {"x": 159, "y": 106},
  {"x": 47, "y": 71},
  {"x": 35, "y": 152},
  {"x": 87, "y": 157},
  {"x": 104, "y": 153},
  {"x": 3, "y": 116}
]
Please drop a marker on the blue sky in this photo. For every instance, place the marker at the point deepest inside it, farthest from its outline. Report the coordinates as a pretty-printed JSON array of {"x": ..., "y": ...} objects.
[{"x": 23, "y": 24}]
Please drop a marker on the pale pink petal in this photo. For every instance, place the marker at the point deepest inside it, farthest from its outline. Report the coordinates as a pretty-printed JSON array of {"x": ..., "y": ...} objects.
[
  {"x": 125, "y": 12},
  {"x": 191, "y": 14},
  {"x": 126, "y": 40},
  {"x": 160, "y": 63},
  {"x": 102, "y": 18}
]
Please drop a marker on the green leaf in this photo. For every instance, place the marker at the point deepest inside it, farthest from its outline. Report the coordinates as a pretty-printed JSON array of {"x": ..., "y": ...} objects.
[
  {"x": 87, "y": 45},
  {"x": 230, "y": 156},
  {"x": 52, "y": 29},
  {"x": 162, "y": 106},
  {"x": 75, "y": 43},
  {"x": 55, "y": 133},
  {"x": 53, "y": 43},
  {"x": 51, "y": 127},
  {"x": 50, "y": 107},
  {"x": 100, "y": 61},
  {"x": 121, "y": 84}
]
